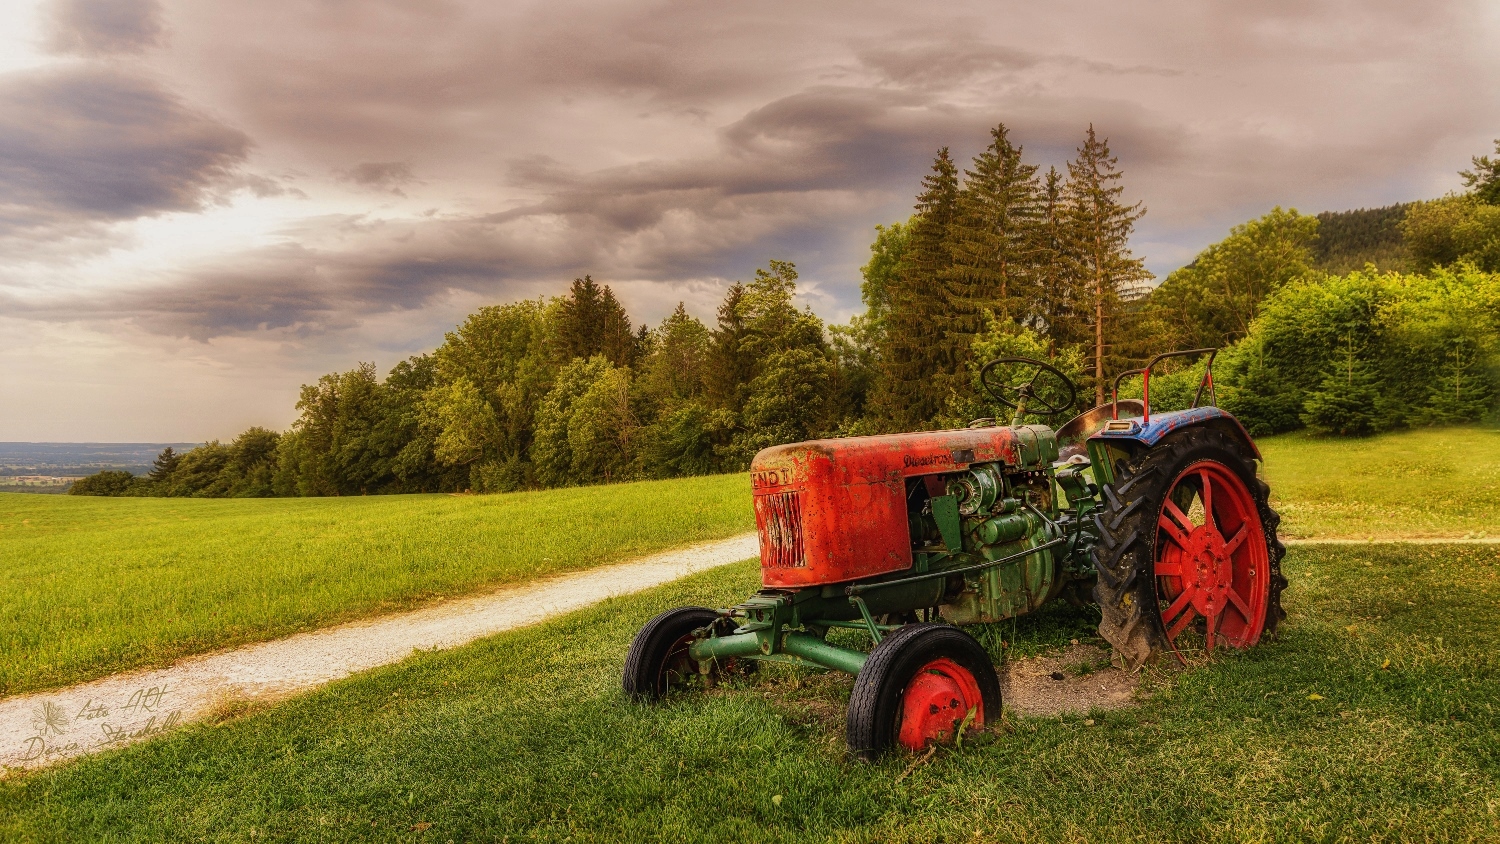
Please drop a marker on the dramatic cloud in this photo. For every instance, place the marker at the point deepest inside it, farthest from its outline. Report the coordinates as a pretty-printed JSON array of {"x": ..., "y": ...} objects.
[
  {"x": 289, "y": 184},
  {"x": 380, "y": 175},
  {"x": 85, "y": 144}
]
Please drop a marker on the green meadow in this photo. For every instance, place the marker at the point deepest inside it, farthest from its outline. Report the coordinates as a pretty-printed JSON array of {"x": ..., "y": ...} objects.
[
  {"x": 89, "y": 586},
  {"x": 1375, "y": 717},
  {"x": 1427, "y": 482}
]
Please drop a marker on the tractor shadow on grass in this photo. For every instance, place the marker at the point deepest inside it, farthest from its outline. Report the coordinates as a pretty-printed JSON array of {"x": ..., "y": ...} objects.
[{"x": 814, "y": 702}]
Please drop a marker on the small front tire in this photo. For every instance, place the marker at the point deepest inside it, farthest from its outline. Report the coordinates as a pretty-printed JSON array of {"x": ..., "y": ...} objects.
[
  {"x": 658, "y": 660},
  {"x": 921, "y": 684}
]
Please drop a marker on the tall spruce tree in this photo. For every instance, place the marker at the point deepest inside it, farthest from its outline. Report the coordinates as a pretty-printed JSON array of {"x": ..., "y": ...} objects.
[
  {"x": 1100, "y": 226},
  {"x": 730, "y": 365},
  {"x": 913, "y": 357},
  {"x": 591, "y": 321},
  {"x": 992, "y": 241},
  {"x": 164, "y": 465},
  {"x": 617, "y": 340},
  {"x": 1059, "y": 312}
]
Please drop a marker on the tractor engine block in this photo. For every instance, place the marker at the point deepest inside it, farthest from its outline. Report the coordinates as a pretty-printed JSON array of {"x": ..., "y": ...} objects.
[
  {"x": 904, "y": 506},
  {"x": 986, "y": 514}
]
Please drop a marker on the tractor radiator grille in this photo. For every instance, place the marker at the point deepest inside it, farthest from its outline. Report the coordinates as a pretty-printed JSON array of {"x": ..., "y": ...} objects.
[{"x": 779, "y": 517}]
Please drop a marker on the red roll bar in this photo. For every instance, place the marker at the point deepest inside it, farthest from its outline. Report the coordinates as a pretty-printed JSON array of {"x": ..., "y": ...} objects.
[{"x": 1207, "y": 381}]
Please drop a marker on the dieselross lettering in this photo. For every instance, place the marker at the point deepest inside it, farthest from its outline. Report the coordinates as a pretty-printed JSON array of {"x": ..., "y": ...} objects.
[{"x": 914, "y": 462}]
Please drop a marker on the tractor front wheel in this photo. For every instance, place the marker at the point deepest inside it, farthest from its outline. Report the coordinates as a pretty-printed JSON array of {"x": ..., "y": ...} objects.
[
  {"x": 658, "y": 660},
  {"x": 923, "y": 683},
  {"x": 1188, "y": 558}
]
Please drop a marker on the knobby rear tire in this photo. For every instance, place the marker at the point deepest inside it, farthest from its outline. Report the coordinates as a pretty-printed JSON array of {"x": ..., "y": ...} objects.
[{"x": 1125, "y": 556}]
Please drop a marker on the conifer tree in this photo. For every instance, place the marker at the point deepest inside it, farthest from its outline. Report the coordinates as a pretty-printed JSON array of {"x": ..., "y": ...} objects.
[
  {"x": 1058, "y": 312},
  {"x": 591, "y": 321},
  {"x": 617, "y": 341},
  {"x": 1461, "y": 392},
  {"x": 1345, "y": 402},
  {"x": 912, "y": 355},
  {"x": 1484, "y": 180},
  {"x": 578, "y": 318},
  {"x": 730, "y": 366},
  {"x": 992, "y": 242},
  {"x": 1100, "y": 227},
  {"x": 164, "y": 465}
]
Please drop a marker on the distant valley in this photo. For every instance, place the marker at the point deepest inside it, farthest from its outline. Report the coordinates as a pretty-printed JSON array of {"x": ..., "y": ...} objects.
[{"x": 51, "y": 467}]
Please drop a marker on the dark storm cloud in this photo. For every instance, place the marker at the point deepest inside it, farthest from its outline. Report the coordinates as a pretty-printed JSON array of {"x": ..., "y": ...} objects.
[
  {"x": 941, "y": 61},
  {"x": 89, "y": 145},
  {"x": 105, "y": 27},
  {"x": 794, "y": 168}
]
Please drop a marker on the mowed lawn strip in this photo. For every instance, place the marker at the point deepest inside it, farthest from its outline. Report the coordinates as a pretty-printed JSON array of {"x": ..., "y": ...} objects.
[
  {"x": 1373, "y": 718},
  {"x": 91, "y": 586},
  {"x": 1429, "y": 482}
]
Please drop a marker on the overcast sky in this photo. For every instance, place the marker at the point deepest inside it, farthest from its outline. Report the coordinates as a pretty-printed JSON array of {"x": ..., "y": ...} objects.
[{"x": 205, "y": 205}]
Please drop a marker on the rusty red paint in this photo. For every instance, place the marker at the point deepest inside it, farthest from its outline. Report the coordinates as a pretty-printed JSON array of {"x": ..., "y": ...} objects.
[
  {"x": 834, "y": 510},
  {"x": 937, "y": 702}
]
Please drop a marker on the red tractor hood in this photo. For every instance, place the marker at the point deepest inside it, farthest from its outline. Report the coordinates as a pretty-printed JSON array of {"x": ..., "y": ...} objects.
[{"x": 830, "y": 511}]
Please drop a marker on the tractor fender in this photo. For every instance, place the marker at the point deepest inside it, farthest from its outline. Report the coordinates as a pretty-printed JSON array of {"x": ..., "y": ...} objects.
[{"x": 1150, "y": 433}]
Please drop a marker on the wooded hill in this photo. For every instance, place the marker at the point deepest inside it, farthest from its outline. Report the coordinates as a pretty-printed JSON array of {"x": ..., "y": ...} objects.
[{"x": 1347, "y": 240}]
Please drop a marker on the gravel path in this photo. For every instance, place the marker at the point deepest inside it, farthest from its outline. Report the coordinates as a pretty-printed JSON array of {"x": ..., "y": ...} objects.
[{"x": 44, "y": 728}]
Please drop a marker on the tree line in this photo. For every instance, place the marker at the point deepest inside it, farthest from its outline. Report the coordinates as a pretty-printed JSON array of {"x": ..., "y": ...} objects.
[{"x": 998, "y": 260}]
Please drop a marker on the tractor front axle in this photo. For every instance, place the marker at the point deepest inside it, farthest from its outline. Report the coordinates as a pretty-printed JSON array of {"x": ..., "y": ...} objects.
[{"x": 790, "y": 646}]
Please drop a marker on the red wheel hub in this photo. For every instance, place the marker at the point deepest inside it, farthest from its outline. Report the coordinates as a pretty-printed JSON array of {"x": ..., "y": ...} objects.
[
  {"x": 1217, "y": 570},
  {"x": 936, "y": 703}
]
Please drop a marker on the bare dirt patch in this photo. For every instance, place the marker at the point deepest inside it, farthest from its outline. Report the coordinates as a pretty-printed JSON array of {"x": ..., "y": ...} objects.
[{"x": 1077, "y": 680}]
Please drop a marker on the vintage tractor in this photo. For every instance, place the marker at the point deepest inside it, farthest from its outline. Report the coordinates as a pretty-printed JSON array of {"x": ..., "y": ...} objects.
[{"x": 1158, "y": 518}]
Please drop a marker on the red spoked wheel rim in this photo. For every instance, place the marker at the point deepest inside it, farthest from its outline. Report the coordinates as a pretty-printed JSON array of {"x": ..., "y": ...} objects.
[
  {"x": 936, "y": 703},
  {"x": 1213, "y": 575}
]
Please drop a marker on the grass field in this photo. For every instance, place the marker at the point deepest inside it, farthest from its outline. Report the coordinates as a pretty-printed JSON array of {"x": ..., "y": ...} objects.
[
  {"x": 89, "y": 586},
  {"x": 1430, "y": 482},
  {"x": 1373, "y": 718}
]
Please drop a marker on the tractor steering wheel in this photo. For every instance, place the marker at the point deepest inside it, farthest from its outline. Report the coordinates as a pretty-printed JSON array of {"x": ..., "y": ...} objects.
[{"x": 1024, "y": 397}]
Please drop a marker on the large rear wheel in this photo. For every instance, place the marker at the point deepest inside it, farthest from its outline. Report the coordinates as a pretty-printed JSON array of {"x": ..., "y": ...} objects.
[{"x": 1188, "y": 558}]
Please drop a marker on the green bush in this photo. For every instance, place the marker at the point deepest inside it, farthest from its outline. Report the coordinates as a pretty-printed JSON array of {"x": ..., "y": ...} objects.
[
  {"x": 108, "y": 482},
  {"x": 1368, "y": 352}
]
